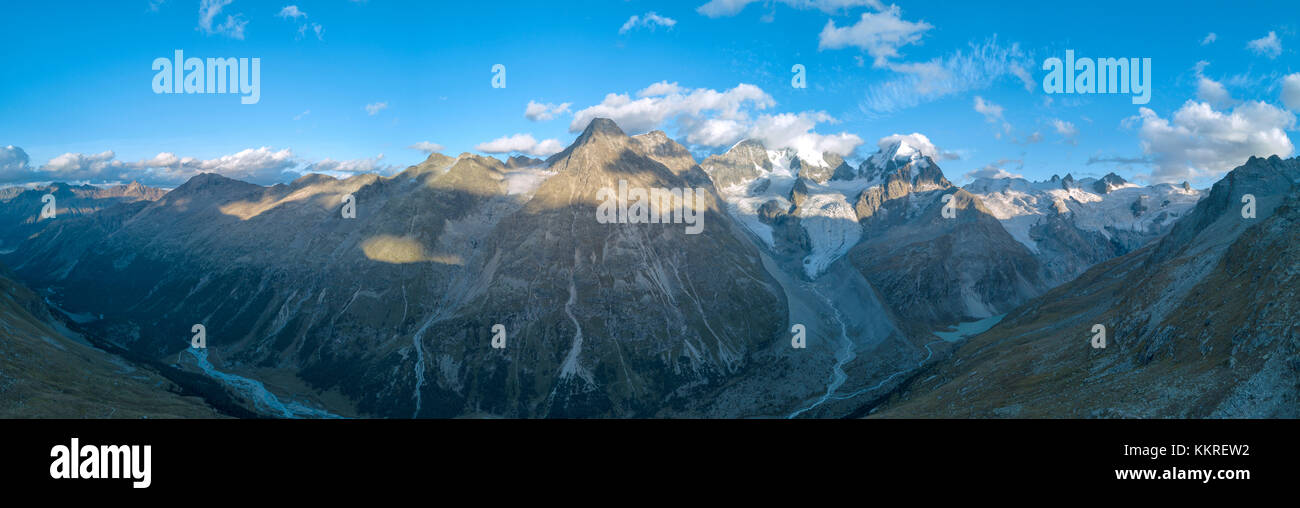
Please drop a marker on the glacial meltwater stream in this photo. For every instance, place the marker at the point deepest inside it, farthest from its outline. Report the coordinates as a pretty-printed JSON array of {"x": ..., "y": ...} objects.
[{"x": 264, "y": 401}]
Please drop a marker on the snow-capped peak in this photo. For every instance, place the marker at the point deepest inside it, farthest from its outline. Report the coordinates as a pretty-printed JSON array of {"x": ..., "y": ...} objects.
[{"x": 897, "y": 151}]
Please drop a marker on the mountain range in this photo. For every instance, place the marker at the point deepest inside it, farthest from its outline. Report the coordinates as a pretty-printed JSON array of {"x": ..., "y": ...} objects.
[
  {"x": 917, "y": 297},
  {"x": 1201, "y": 323}
]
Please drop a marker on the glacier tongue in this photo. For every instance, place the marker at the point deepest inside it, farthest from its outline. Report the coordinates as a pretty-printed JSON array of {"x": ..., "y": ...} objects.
[{"x": 832, "y": 227}]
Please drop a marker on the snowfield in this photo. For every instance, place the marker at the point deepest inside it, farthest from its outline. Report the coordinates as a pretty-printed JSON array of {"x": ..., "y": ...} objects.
[{"x": 1020, "y": 204}]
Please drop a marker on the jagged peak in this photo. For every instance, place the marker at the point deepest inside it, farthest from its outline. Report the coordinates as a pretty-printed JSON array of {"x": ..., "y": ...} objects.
[
  {"x": 203, "y": 183},
  {"x": 206, "y": 179},
  {"x": 522, "y": 161},
  {"x": 1109, "y": 183},
  {"x": 602, "y": 126},
  {"x": 310, "y": 179},
  {"x": 599, "y": 131},
  {"x": 656, "y": 136},
  {"x": 897, "y": 152},
  {"x": 482, "y": 160},
  {"x": 435, "y": 157}
]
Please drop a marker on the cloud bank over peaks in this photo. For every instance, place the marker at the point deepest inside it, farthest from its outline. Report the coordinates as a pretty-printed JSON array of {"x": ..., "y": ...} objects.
[
  {"x": 262, "y": 165},
  {"x": 542, "y": 112},
  {"x": 915, "y": 141},
  {"x": 521, "y": 143},
  {"x": 795, "y": 131},
  {"x": 1200, "y": 143},
  {"x": 711, "y": 119}
]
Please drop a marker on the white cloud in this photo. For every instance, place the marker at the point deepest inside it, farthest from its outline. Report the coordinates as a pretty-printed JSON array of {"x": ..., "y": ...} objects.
[
  {"x": 660, "y": 103},
  {"x": 257, "y": 165},
  {"x": 374, "y": 109},
  {"x": 262, "y": 165},
  {"x": 347, "y": 168},
  {"x": 975, "y": 69},
  {"x": 232, "y": 27},
  {"x": 1209, "y": 39},
  {"x": 1213, "y": 92},
  {"x": 1291, "y": 92},
  {"x": 1199, "y": 142},
  {"x": 1067, "y": 130},
  {"x": 302, "y": 115},
  {"x": 660, "y": 88},
  {"x": 995, "y": 170},
  {"x": 521, "y": 143},
  {"x": 426, "y": 147},
  {"x": 539, "y": 112},
  {"x": 789, "y": 130},
  {"x": 1269, "y": 45},
  {"x": 14, "y": 164},
  {"x": 992, "y": 114},
  {"x": 712, "y": 131},
  {"x": 648, "y": 20},
  {"x": 722, "y": 8},
  {"x": 1023, "y": 75},
  {"x": 714, "y": 119},
  {"x": 315, "y": 28},
  {"x": 879, "y": 34},
  {"x": 84, "y": 167},
  {"x": 291, "y": 12}
]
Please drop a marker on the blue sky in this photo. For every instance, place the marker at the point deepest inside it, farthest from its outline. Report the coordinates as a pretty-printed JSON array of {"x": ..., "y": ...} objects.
[{"x": 77, "y": 103}]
